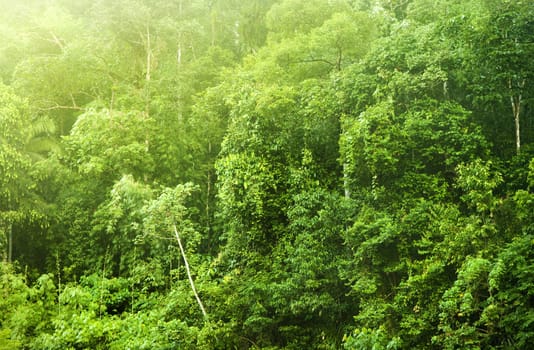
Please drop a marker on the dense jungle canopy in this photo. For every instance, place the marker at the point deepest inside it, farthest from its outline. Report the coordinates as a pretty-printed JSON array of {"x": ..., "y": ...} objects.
[{"x": 266, "y": 174}]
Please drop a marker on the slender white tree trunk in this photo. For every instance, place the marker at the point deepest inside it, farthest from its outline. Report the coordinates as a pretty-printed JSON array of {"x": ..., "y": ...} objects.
[
  {"x": 516, "y": 110},
  {"x": 189, "y": 272}
]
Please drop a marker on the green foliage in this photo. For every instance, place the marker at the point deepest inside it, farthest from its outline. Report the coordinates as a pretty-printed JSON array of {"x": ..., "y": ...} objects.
[
  {"x": 282, "y": 23},
  {"x": 14, "y": 163},
  {"x": 477, "y": 182},
  {"x": 349, "y": 174},
  {"x": 461, "y": 306},
  {"x": 341, "y": 38},
  {"x": 385, "y": 153},
  {"x": 244, "y": 198},
  {"x": 107, "y": 144},
  {"x": 118, "y": 225},
  {"x": 22, "y": 139},
  {"x": 370, "y": 339},
  {"x": 508, "y": 315}
]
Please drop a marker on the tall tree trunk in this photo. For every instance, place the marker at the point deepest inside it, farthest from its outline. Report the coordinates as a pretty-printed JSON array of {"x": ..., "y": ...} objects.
[
  {"x": 213, "y": 21},
  {"x": 148, "y": 53},
  {"x": 179, "y": 49},
  {"x": 147, "y": 88},
  {"x": 208, "y": 194},
  {"x": 516, "y": 110},
  {"x": 10, "y": 242}
]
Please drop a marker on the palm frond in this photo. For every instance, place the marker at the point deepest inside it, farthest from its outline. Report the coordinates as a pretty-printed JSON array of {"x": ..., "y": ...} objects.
[
  {"x": 40, "y": 140},
  {"x": 41, "y": 126},
  {"x": 38, "y": 147}
]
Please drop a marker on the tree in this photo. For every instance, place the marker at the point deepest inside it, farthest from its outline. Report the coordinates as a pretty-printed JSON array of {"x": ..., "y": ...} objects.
[
  {"x": 491, "y": 41},
  {"x": 19, "y": 141},
  {"x": 508, "y": 32},
  {"x": 324, "y": 47},
  {"x": 412, "y": 153},
  {"x": 170, "y": 213},
  {"x": 117, "y": 226},
  {"x": 282, "y": 22}
]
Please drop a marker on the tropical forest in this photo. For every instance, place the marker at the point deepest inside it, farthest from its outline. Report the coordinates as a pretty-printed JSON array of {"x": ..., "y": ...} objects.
[{"x": 266, "y": 174}]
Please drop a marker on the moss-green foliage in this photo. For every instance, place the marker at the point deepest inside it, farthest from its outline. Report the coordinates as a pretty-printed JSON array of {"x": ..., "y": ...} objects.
[{"x": 340, "y": 174}]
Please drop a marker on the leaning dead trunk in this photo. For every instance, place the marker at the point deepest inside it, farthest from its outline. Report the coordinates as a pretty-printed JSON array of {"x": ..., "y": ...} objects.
[{"x": 189, "y": 272}]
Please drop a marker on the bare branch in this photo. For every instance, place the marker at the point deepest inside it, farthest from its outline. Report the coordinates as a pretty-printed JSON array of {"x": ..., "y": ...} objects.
[
  {"x": 62, "y": 107},
  {"x": 312, "y": 60}
]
